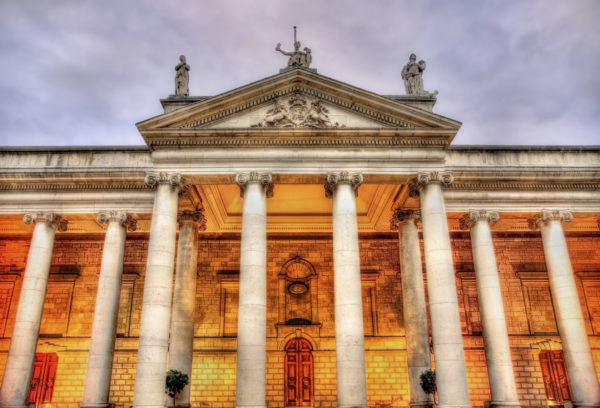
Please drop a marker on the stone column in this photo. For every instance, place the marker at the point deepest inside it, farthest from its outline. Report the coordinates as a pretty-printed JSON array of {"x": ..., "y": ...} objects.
[
  {"x": 413, "y": 304},
  {"x": 448, "y": 350},
  {"x": 252, "y": 313},
  {"x": 349, "y": 329},
  {"x": 104, "y": 327},
  {"x": 495, "y": 336},
  {"x": 184, "y": 299},
  {"x": 21, "y": 352},
  {"x": 571, "y": 326},
  {"x": 151, "y": 369}
]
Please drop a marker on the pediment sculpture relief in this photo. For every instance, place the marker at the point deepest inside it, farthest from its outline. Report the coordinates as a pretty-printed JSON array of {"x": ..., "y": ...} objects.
[{"x": 297, "y": 111}]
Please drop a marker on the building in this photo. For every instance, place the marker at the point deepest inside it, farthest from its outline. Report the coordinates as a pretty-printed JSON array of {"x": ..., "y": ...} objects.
[{"x": 300, "y": 242}]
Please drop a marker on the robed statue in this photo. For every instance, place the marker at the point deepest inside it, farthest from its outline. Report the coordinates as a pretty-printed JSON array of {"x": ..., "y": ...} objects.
[
  {"x": 412, "y": 74},
  {"x": 182, "y": 78}
]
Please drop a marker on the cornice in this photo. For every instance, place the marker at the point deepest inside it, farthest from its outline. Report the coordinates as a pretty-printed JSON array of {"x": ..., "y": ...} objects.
[
  {"x": 272, "y": 96},
  {"x": 295, "y": 138},
  {"x": 523, "y": 186},
  {"x": 15, "y": 186}
]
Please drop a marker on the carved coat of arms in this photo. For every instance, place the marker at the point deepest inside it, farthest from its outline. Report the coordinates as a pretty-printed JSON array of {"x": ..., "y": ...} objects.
[{"x": 297, "y": 111}]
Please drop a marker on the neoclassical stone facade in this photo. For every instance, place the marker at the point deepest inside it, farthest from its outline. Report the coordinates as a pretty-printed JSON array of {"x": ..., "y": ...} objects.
[{"x": 300, "y": 242}]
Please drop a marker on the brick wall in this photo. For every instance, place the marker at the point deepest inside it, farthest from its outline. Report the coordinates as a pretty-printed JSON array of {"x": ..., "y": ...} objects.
[{"x": 73, "y": 284}]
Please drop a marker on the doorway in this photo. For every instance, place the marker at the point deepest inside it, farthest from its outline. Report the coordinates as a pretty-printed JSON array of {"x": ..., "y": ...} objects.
[
  {"x": 556, "y": 380},
  {"x": 299, "y": 378},
  {"x": 43, "y": 378}
]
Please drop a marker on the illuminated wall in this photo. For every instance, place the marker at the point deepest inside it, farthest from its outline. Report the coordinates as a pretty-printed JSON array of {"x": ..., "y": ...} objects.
[{"x": 71, "y": 294}]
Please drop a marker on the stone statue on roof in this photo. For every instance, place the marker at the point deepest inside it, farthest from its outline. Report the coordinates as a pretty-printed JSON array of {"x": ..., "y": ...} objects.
[
  {"x": 412, "y": 74},
  {"x": 298, "y": 59},
  {"x": 182, "y": 78}
]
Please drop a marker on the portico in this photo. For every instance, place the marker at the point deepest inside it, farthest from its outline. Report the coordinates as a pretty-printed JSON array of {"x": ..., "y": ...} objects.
[{"x": 266, "y": 232}]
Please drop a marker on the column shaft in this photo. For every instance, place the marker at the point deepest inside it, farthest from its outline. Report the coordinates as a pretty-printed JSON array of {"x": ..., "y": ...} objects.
[
  {"x": 414, "y": 306},
  {"x": 571, "y": 326},
  {"x": 450, "y": 368},
  {"x": 21, "y": 352},
  {"x": 252, "y": 312},
  {"x": 349, "y": 329},
  {"x": 184, "y": 301},
  {"x": 151, "y": 369},
  {"x": 495, "y": 335},
  {"x": 102, "y": 344}
]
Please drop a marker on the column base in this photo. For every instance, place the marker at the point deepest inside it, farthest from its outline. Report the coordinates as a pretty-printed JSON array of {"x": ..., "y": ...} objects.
[
  {"x": 18, "y": 406},
  {"x": 501, "y": 404},
  {"x": 452, "y": 406},
  {"x": 421, "y": 404},
  {"x": 100, "y": 405},
  {"x": 577, "y": 404},
  {"x": 352, "y": 406}
]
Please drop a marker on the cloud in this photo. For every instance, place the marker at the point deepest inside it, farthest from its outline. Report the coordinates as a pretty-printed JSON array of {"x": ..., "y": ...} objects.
[{"x": 513, "y": 72}]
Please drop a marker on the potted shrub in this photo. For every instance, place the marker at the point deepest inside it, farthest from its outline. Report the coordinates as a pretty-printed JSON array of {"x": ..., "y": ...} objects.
[
  {"x": 428, "y": 383},
  {"x": 176, "y": 382}
]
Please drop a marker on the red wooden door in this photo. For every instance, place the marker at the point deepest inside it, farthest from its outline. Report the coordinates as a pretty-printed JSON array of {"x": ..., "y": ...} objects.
[
  {"x": 42, "y": 380},
  {"x": 556, "y": 380},
  {"x": 299, "y": 381}
]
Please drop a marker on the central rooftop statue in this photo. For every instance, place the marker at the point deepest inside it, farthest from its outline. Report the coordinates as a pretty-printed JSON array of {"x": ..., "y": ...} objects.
[{"x": 298, "y": 59}]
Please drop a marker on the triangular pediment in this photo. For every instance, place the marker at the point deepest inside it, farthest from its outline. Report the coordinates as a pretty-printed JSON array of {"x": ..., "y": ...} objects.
[{"x": 298, "y": 100}]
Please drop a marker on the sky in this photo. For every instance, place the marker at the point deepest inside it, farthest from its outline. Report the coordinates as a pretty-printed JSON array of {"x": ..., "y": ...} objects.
[{"x": 514, "y": 72}]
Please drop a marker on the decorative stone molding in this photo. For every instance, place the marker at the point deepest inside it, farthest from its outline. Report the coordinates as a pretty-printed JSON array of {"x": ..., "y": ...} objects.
[
  {"x": 154, "y": 179},
  {"x": 401, "y": 216},
  {"x": 469, "y": 219},
  {"x": 193, "y": 216},
  {"x": 297, "y": 111},
  {"x": 118, "y": 216},
  {"x": 526, "y": 185},
  {"x": 16, "y": 186},
  {"x": 266, "y": 179},
  {"x": 435, "y": 177},
  {"x": 343, "y": 177},
  {"x": 549, "y": 215},
  {"x": 269, "y": 137},
  {"x": 48, "y": 217},
  {"x": 297, "y": 89}
]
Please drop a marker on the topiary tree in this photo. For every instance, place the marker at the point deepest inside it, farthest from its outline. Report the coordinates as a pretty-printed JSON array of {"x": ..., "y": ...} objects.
[
  {"x": 428, "y": 383},
  {"x": 176, "y": 382}
]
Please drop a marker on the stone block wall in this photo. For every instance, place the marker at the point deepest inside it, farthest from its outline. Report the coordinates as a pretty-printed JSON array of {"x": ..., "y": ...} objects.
[{"x": 71, "y": 296}]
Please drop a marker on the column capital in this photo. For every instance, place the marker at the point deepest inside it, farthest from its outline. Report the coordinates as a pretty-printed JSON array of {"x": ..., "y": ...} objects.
[
  {"x": 342, "y": 177},
  {"x": 424, "y": 178},
  {"x": 470, "y": 218},
  {"x": 401, "y": 216},
  {"x": 546, "y": 216},
  {"x": 49, "y": 217},
  {"x": 255, "y": 177},
  {"x": 196, "y": 216},
  {"x": 121, "y": 217},
  {"x": 155, "y": 178}
]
